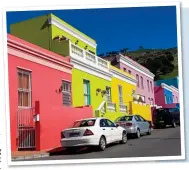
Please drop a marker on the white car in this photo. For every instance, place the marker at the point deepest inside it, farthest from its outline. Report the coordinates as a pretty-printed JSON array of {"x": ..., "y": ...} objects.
[{"x": 93, "y": 132}]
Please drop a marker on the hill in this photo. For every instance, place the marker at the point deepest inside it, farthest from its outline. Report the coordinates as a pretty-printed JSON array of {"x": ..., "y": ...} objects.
[{"x": 162, "y": 62}]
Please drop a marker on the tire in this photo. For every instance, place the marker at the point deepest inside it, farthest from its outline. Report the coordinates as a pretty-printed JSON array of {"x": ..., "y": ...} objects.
[
  {"x": 124, "y": 138},
  {"x": 102, "y": 143},
  {"x": 137, "y": 135},
  {"x": 149, "y": 131},
  {"x": 173, "y": 124}
]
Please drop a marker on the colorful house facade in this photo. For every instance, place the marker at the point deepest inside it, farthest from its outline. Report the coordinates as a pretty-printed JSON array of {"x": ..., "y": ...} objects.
[
  {"x": 91, "y": 75},
  {"x": 40, "y": 96},
  {"x": 145, "y": 79},
  {"x": 166, "y": 96}
]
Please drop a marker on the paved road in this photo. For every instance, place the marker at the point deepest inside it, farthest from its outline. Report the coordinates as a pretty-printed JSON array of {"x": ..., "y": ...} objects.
[{"x": 162, "y": 142}]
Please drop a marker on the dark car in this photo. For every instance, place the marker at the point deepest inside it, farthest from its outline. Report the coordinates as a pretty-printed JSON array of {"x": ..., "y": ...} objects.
[{"x": 166, "y": 116}]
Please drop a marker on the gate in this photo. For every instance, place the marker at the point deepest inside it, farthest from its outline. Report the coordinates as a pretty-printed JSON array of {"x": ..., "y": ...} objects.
[{"x": 26, "y": 129}]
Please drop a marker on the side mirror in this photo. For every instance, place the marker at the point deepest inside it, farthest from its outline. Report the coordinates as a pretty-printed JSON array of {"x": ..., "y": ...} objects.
[{"x": 117, "y": 125}]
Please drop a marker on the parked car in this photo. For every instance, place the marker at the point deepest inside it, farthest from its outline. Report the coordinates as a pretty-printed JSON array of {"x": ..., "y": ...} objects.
[
  {"x": 92, "y": 132},
  {"x": 166, "y": 116},
  {"x": 135, "y": 125}
]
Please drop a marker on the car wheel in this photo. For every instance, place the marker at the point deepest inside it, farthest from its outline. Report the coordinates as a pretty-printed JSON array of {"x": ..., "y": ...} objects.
[
  {"x": 124, "y": 138},
  {"x": 173, "y": 124},
  {"x": 149, "y": 131},
  {"x": 138, "y": 133},
  {"x": 102, "y": 143}
]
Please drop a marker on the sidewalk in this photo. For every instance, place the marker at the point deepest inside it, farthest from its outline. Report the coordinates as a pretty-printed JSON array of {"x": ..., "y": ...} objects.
[{"x": 22, "y": 155}]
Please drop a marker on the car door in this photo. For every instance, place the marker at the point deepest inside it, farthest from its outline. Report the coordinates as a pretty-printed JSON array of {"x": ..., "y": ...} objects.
[
  {"x": 114, "y": 131},
  {"x": 139, "y": 123},
  {"x": 144, "y": 123},
  {"x": 106, "y": 130}
]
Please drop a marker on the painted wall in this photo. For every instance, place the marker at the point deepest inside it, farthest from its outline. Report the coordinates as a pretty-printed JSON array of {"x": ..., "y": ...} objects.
[
  {"x": 174, "y": 82},
  {"x": 38, "y": 32},
  {"x": 160, "y": 97},
  {"x": 54, "y": 117},
  {"x": 139, "y": 90},
  {"x": 56, "y": 31},
  {"x": 142, "y": 110},
  {"x": 176, "y": 96},
  {"x": 78, "y": 90}
]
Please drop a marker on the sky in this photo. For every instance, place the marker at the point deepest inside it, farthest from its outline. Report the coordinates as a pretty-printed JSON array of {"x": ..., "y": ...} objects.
[{"x": 117, "y": 28}]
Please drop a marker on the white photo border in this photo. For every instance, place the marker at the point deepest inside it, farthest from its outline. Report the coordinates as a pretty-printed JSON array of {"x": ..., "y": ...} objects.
[{"x": 104, "y": 160}]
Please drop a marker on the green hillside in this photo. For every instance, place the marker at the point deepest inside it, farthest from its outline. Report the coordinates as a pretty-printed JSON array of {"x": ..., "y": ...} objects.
[{"x": 162, "y": 62}]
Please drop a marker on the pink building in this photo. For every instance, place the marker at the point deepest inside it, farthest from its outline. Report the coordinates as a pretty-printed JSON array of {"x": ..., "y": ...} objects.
[
  {"x": 40, "y": 96},
  {"x": 145, "y": 78}
]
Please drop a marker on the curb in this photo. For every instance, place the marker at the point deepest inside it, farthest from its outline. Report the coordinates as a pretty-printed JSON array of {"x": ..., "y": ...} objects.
[{"x": 30, "y": 157}]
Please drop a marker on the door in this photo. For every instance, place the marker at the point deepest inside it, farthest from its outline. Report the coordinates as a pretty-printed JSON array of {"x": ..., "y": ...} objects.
[
  {"x": 87, "y": 97},
  {"x": 144, "y": 123},
  {"x": 115, "y": 132},
  {"x": 140, "y": 124},
  {"x": 106, "y": 131}
]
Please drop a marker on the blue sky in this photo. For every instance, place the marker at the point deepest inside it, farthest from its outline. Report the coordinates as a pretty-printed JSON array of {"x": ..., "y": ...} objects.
[{"x": 117, "y": 28}]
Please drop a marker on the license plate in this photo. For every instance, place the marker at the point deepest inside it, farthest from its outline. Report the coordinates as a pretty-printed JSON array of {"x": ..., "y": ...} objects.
[{"x": 74, "y": 134}]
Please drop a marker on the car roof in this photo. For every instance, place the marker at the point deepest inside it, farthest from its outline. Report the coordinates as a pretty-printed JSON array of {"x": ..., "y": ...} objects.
[{"x": 92, "y": 118}]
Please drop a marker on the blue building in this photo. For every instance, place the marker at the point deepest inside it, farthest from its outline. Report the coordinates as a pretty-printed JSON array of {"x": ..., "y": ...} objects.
[{"x": 173, "y": 81}]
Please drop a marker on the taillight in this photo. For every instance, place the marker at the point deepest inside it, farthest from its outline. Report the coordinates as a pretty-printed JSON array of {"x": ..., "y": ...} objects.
[
  {"x": 62, "y": 135},
  {"x": 88, "y": 133},
  {"x": 129, "y": 124}
]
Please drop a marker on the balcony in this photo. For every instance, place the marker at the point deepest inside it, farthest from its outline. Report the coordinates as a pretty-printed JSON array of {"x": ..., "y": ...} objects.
[
  {"x": 122, "y": 108},
  {"x": 111, "y": 106},
  {"x": 87, "y": 57}
]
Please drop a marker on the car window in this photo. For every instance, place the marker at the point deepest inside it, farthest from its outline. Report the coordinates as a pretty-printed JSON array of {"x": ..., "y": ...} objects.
[
  {"x": 137, "y": 118},
  {"x": 84, "y": 123},
  {"x": 103, "y": 123},
  {"x": 141, "y": 118},
  {"x": 110, "y": 123},
  {"x": 125, "y": 118}
]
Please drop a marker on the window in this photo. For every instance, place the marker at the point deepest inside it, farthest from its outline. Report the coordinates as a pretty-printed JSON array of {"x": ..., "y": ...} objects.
[
  {"x": 125, "y": 118},
  {"x": 66, "y": 93},
  {"x": 173, "y": 98},
  {"x": 152, "y": 101},
  {"x": 142, "y": 84},
  {"x": 129, "y": 71},
  {"x": 108, "y": 94},
  {"x": 24, "y": 88},
  {"x": 165, "y": 99},
  {"x": 87, "y": 99},
  {"x": 141, "y": 119},
  {"x": 148, "y": 85},
  {"x": 176, "y": 99},
  {"x": 137, "y": 118},
  {"x": 84, "y": 123},
  {"x": 137, "y": 77},
  {"x": 124, "y": 69},
  {"x": 110, "y": 123},
  {"x": 120, "y": 94},
  {"x": 151, "y": 86},
  {"x": 103, "y": 123}
]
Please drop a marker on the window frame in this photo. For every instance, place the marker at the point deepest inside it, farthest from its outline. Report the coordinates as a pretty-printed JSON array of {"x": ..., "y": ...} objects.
[
  {"x": 88, "y": 95},
  {"x": 23, "y": 71},
  {"x": 120, "y": 96},
  {"x": 109, "y": 97},
  {"x": 69, "y": 92}
]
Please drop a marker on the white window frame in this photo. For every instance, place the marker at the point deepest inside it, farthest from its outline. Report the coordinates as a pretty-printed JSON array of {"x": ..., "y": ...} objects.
[{"x": 66, "y": 91}]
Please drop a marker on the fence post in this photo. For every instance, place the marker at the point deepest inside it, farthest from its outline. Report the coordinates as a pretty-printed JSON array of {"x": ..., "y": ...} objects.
[{"x": 37, "y": 126}]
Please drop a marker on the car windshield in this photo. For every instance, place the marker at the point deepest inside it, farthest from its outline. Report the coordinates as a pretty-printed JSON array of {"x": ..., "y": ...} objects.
[
  {"x": 125, "y": 118},
  {"x": 83, "y": 123}
]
